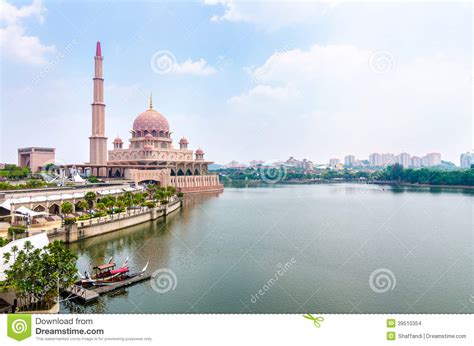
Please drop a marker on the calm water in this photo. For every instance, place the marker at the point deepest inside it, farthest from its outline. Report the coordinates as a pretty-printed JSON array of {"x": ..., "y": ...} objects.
[{"x": 304, "y": 248}]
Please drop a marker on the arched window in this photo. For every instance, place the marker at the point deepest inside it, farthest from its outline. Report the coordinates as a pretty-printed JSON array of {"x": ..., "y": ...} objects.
[
  {"x": 188, "y": 172},
  {"x": 196, "y": 172},
  {"x": 173, "y": 173},
  {"x": 180, "y": 172},
  {"x": 153, "y": 133}
]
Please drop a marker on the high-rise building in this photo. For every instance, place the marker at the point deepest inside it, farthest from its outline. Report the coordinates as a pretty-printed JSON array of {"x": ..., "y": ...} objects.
[
  {"x": 404, "y": 159},
  {"x": 375, "y": 159},
  {"x": 334, "y": 162},
  {"x": 349, "y": 160},
  {"x": 388, "y": 159},
  {"x": 431, "y": 159},
  {"x": 416, "y": 161},
  {"x": 467, "y": 159}
]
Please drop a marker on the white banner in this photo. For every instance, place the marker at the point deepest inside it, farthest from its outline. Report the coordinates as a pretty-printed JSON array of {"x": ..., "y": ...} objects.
[{"x": 238, "y": 329}]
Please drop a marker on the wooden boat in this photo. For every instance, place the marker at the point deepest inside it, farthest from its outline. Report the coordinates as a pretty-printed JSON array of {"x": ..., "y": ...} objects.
[{"x": 106, "y": 274}]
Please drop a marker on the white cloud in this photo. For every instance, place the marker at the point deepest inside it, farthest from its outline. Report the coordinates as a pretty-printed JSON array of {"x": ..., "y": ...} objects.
[
  {"x": 261, "y": 93},
  {"x": 198, "y": 68},
  {"x": 14, "y": 43},
  {"x": 332, "y": 98},
  {"x": 269, "y": 14}
]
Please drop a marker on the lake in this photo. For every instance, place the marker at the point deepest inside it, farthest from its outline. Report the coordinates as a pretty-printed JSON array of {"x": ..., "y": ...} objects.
[{"x": 329, "y": 248}]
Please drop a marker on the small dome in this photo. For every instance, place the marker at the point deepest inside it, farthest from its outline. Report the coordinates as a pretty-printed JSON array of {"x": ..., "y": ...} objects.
[
  {"x": 148, "y": 147},
  {"x": 148, "y": 136},
  {"x": 199, "y": 151},
  {"x": 183, "y": 140},
  {"x": 118, "y": 140}
]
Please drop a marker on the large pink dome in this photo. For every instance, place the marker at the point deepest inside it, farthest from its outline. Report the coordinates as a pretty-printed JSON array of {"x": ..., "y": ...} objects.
[{"x": 151, "y": 120}]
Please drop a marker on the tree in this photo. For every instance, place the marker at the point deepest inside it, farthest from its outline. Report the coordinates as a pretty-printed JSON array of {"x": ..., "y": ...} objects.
[
  {"x": 67, "y": 208},
  {"x": 82, "y": 205},
  {"x": 39, "y": 275},
  {"x": 90, "y": 198}
]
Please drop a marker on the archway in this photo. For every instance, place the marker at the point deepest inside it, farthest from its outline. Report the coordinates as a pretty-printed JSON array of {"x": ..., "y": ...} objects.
[
  {"x": 54, "y": 209},
  {"x": 188, "y": 172},
  {"x": 180, "y": 172},
  {"x": 196, "y": 172},
  {"x": 39, "y": 208}
]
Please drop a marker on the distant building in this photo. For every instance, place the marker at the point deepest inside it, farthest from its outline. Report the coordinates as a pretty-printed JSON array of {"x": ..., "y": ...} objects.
[
  {"x": 234, "y": 164},
  {"x": 375, "y": 159},
  {"x": 35, "y": 157},
  {"x": 416, "y": 161},
  {"x": 255, "y": 163},
  {"x": 467, "y": 159},
  {"x": 349, "y": 160},
  {"x": 334, "y": 162},
  {"x": 404, "y": 159},
  {"x": 292, "y": 162},
  {"x": 307, "y": 164},
  {"x": 389, "y": 159},
  {"x": 431, "y": 159}
]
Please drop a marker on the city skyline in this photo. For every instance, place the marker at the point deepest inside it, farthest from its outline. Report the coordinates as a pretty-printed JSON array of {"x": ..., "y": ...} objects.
[{"x": 315, "y": 83}]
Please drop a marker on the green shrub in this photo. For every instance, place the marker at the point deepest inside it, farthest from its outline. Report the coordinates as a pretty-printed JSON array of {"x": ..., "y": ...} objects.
[
  {"x": 69, "y": 220},
  {"x": 99, "y": 214},
  {"x": 93, "y": 179},
  {"x": 150, "y": 204},
  {"x": 180, "y": 194},
  {"x": 164, "y": 201},
  {"x": 84, "y": 217},
  {"x": 16, "y": 230}
]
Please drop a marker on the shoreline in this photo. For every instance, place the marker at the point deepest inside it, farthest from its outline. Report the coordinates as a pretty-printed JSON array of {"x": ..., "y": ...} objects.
[{"x": 390, "y": 183}]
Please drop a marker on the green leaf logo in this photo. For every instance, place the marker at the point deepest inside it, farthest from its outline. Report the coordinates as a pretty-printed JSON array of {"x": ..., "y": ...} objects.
[{"x": 19, "y": 326}]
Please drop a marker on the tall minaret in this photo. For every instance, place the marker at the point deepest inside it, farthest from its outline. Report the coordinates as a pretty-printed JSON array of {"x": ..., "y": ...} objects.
[{"x": 98, "y": 141}]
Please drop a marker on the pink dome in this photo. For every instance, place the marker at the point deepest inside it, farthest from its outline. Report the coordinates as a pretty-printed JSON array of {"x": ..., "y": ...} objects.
[
  {"x": 183, "y": 140},
  {"x": 148, "y": 136},
  {"x": 118, "y": 140},
  {"x": 151, "y": 120},
  {"x": 148, "y": 147},
  {"x": 199, "y": 151}
]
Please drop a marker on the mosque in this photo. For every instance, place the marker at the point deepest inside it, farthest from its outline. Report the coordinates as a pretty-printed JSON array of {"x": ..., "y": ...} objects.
[{"x": 150, "y": 154}]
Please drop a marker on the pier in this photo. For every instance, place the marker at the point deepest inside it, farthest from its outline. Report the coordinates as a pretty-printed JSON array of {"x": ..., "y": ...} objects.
[{"x": 86, "y": 295}]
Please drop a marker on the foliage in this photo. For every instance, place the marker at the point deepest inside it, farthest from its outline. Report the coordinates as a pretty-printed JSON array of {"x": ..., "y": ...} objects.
[
  {"x": 84, "y": 217},
  {"x": 164, "y": 201},
  {"x": 16, "y": 230},
  {"x": 14, "y": 172},
  {"x": 396, "y": 172},
  {"x": 92, "y": 179},
  {"x": 38, "y": 275},
  {"x": 150, "y": 204},
  {"x": 3, "y": 241},
  {"x": 67, "y": 208},
  {"x": 180, "y": 194},
  {"x": 82, "y": 205},
  {"x": 428, "y": 176},
  {"x": 30, "y": 184},
  {"x": 90, "y": 198},
  {"x": 69, "y": 220}
]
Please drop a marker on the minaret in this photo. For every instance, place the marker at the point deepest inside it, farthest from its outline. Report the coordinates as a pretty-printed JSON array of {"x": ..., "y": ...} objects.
[{"x": 98, "y": 141}]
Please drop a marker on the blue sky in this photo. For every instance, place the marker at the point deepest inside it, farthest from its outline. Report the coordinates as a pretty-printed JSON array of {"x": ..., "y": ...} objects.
[{"x": 248, "y": 80}]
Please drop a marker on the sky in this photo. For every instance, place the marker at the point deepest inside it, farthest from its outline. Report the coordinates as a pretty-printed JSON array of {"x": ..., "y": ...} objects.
[{"x": 242, "y": 80}]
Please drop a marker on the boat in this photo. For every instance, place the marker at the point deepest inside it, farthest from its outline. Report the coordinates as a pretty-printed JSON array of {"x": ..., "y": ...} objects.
[{"x": 106, "y": 274}]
